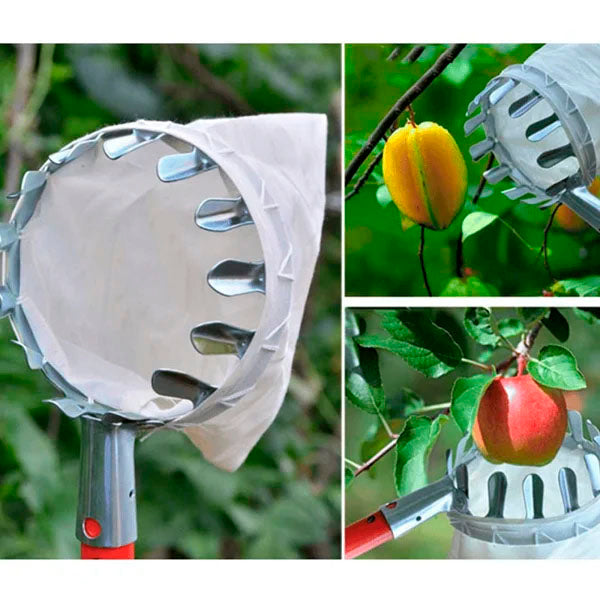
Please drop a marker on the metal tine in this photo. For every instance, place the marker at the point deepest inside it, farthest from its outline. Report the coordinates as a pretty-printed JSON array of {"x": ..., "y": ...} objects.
[
  {"x": 472, "y": 124},
  {"x": 31, "y": 189},
  {"x": 63, "y": 156},
  {"x": 593, "y": 467},
  {"x": 541, "y": 129},
  {"x": 488, "y": 89},
  {"x": 176, "y": 167},
  {"x": 523, "y": 105},
  {"x": 223, "y": 214},
  {"x": 480, "y": 149},
  {"x": 119, "y": 146},
  {"x": 500, "y": 92},
  {"x": 220, "y": 338},
  {"x": 497, "y": 486},
  {"x": 592, "y": 429},
  {"x": 462, "y": 479},
  {"x": 460, "y": 449},
  {"x": 497, "y": 173},
  {"x": 551, "y": 158},
  {"x": 449, "y": 463},
  {"x": 516, "y": 192},
  {"x": 533, "y": 493},
  {"x": 576, "y": 425},
  {"x": 175, "y": 384},
  {"x": 235, "y": 277},
  {"x": 567, "y": 482}
]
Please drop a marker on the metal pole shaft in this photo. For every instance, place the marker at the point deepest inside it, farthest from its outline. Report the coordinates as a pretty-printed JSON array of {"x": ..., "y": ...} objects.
[{"x": 106, "y": 514}]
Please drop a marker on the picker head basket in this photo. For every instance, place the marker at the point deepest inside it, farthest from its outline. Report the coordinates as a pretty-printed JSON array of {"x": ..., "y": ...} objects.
[
  {"x": 157, "y": 274},
  {"x": 541, "y": 121}
]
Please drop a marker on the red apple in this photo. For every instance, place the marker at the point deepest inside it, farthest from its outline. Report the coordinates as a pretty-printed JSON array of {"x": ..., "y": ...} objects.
[{"x": 520, "y": 421}]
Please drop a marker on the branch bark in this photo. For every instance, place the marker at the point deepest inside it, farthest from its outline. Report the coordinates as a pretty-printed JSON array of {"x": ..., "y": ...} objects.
[
  {"x": 25, "y": 65},
  {"x": 522, "y": 349},
  {"x": 187, "y": 56},
  {"x": 400, "y": 106}
]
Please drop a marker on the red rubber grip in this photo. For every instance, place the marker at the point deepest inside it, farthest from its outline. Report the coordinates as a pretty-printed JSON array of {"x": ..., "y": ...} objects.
[
  {"x": 367, "y": 534},
  {"x": 126, "y": 552}
]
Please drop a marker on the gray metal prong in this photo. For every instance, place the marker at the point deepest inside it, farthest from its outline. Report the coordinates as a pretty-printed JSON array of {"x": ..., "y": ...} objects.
[
  {"x": 497, "y": 174},
  {"x": 175, "y": 167},
  {"x": 533, "y": 494},
  {"x": 593, "y": 467},
  {"x": 480, "y": 149},
  {"x": 175, "y": 384},
  {"x": 235, "y": 277},
  {"x": 220, "y": 338},
  {"x": 497, "y": 495},
  {"x": 521, "y": 106},
  {"x": 223, "y": 214},
  {"x": 567, "y": 482},
  {"x": 116, "y": 147}
]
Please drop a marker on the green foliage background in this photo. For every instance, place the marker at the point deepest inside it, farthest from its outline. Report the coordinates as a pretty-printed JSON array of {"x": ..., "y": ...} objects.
[
  {"x": 284, "y": 502},
  {"x": 381, "y": 258},
  {"x": 371, "y": 489}
]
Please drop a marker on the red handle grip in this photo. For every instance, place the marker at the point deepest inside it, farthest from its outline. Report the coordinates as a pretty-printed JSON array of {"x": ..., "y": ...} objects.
[
  {"x": 121, "y": 552},
  {"x": 367, "y": 534}
]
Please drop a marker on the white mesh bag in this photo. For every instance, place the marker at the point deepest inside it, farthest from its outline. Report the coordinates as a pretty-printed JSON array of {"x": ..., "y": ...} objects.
[{"x": 159, "y": 272}]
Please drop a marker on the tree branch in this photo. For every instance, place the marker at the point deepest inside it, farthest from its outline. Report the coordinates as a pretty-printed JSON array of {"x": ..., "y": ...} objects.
[
  {"x": 186, "y": 55},
  {"x": 413, "y": 54},
  {"x": 376, "y": 457},
  {"x": 412, "y": 94},
  {"x": 522, "y": 349},
  {"x": 25, "y": 65},
  {"x": 363, "y": 178}
]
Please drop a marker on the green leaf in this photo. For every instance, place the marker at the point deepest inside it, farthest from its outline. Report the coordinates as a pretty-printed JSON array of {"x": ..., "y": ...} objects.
[
  {"x": 383, "y": 196},
  {"x": 475, "y": 222},
  {"x": 404, "y": 404},
  {"x": 466, "y": 394},
  {"x": 478, "y": 324},
  {"x": 558, "y": 326},
  {"x": 532, "y": 314},
  {"x": 424, "y": 346},
  {"x": 368, "y": 398},
  {"x": 510, "y": 327},
  {"x": 586, "y": 286},
  {"x": 458, "y": 71},
  {"x": 556, "y": 367},
  {"x": 471, "y": 286},
  {"x": 590, "y": 315},
  {"x": 348, "y": 476},
  {"x": 412, "y": 452}
]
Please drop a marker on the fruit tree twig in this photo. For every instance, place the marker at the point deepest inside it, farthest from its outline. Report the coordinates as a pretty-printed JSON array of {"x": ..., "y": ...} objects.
[
  {"x": 400, "y": 106},
  {"x": 483, "y": 180},
  {"x": 413, "y": 54},
  {"x": 544, "y": 248},
  {"x": 522, "y": 349},
  {"x": 376, "y": 457}
]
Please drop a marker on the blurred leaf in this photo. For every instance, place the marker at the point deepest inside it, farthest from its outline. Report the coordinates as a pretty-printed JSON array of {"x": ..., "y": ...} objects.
[
  {"x": 590, "y": 315},
  {"x": 531, "y": 314},
  {"x": 556, "y": 367},
  {"x": 470, "y": 286},
  {"x": 510, "y": 327},
  {"x": 404, "y": 404},
  {"x": 586, "y": 286},
  {"x": 412, "y": 452},
  {"x": 457, "y": 71},
  {"x": 558, "y": 326},
  {"x": 383, "y": 196},
  {"x": 478, "y": 324},
  {"x": 475, "y": 222},
  {"x": 466, "y": 394},
  {"x": 348, "y": 476}
]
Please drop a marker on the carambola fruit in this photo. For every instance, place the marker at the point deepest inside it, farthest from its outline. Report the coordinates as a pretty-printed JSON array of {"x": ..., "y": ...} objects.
[{"x": 425, "y": 174}]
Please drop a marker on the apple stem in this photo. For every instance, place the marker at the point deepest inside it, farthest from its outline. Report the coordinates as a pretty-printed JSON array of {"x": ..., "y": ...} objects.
[{"x": 521, "y": 364}]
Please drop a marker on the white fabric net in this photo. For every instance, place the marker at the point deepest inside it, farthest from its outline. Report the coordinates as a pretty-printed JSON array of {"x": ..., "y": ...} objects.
[{"x": 113, "y": 271}]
